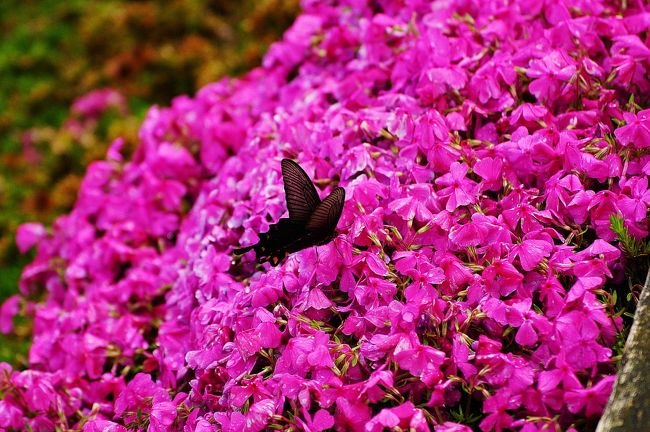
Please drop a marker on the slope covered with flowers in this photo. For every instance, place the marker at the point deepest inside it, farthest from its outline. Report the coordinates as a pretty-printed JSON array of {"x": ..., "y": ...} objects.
[{"x": 483, "y": 147}]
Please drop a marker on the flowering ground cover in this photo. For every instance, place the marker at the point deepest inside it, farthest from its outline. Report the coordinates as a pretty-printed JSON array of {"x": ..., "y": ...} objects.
[{"x": 495, "y": 161}]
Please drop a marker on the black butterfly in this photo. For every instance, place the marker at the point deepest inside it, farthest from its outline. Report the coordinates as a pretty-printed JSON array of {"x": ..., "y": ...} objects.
[{"x": 311, "y": 222}]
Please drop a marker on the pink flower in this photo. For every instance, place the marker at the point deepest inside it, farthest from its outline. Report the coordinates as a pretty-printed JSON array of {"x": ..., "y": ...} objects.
[
  {"x": 625, "y": 67},
  {"x": 8, "y": 311},
  {"x": 430, "y": 135},
  {"x": 451, "y": 427},
  {"x": 257, "y": 418},
  {"x": 501, "y": 278},
  {"x": 11, "y": 416},
  {"x": 352, "y": 414},
  {"x": 635, "y": 206},
  {"x": 103, "y": 426},
  {"x": 403, "y": 416},
  {"x": 496, "y": 405},
  {"x": 528, "y": 112},
  {"x": 603, "y": 205},
  {"x": 491, "y": 171},
  {"x": 549, "y": 74},
  {"x": 420, "y": 360},
  {"x": 320, "y": 355},
  {"x": 322, "y": 420},
  {"x": 636, "y": 132},
  {"x": 28, "y": 234},
  {"x": 631, "y": 45},
  {"x": 578, "y": 332},
  {"x": 96, "y": 102},
  {"x": 423, "y": 278},
  {"x": 518, "y": 314},
  {"x": 435, "y": 82},
  {"x": 143, "y": 395},
  {"x": 532, "y": 251},
  {"x": 592, "y": 399},
  {"x": 460, "y": 190},
  {"x": 38, "y": 393},
  {"x": 416, "y": 205}
]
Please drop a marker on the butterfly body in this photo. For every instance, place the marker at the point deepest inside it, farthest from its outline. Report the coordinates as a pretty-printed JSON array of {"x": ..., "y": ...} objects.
[{"x": 311, "y": 222}]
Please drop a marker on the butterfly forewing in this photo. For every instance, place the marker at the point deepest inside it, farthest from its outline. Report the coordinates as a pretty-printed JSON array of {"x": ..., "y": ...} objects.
[
  {"x": 301, "y": 195},
  {"x": 324, "y": 219},
  {"x": 310, "y": 222}
]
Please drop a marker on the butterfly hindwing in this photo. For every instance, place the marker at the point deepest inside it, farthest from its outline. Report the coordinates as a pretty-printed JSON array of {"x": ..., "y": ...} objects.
[
  {"x": 302, "y": 198},
  {"x": 324, "y": 219}
]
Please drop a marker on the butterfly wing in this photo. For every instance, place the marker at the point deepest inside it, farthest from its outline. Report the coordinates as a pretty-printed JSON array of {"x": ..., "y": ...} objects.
[
  {"x": 319, "y": 230},
  {"x": 301, "y": 195},
  {"x": 274, "y": 244},
  {"x": 322, "y": 223},
  {"x": 310, "y": 223}
]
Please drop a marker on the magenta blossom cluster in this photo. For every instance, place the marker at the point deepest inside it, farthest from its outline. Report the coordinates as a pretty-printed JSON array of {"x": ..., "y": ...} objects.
[
  {"x": 93, "y": 104},
  {"x": 87, "y": 110},
  {"x": 483, "y": 146}
]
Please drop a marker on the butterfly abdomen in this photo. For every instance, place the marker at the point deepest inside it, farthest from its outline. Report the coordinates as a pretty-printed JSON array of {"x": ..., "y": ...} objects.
[{"x": 279, "y": 236}]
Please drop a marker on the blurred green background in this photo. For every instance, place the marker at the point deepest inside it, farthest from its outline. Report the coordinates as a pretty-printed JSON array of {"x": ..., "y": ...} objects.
[{"x": 53, "y": 52}]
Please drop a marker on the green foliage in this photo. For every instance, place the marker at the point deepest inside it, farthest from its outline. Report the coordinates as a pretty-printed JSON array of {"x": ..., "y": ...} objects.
[
  {"x": 632, "y": 246},
  {"x": 637, "y": 251},
  {"x": 625, "y": 296}
]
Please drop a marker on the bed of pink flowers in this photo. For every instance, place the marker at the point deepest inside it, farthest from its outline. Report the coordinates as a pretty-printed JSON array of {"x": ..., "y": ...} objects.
[{"x": 483, "y": 146}]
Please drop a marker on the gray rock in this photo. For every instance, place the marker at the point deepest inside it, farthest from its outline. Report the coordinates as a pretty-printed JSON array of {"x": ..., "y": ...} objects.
[{"x": 628, "y": 408}]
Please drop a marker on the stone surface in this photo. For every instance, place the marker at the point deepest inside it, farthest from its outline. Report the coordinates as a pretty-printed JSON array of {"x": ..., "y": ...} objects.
[{"x": 628, "y": 408}]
